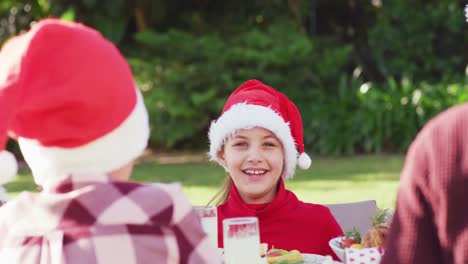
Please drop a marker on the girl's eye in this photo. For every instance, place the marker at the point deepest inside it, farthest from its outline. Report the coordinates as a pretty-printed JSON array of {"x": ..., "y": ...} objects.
[
  {"x": 269, "y": 144},
  {"x": 239, "y": 144}
]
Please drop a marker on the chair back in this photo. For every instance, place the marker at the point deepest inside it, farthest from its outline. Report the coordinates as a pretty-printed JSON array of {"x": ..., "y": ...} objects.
[{"x": 356, "y": 214}]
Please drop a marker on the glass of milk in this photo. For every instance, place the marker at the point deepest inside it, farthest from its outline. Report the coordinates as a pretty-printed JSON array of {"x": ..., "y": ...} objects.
[
  {"x": 241, "y": 240},
  {"x": 209, "y": 220}
]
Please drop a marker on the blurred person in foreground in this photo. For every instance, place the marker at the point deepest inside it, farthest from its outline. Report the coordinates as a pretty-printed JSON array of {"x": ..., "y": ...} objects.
[
  {"x": 430, "y": 224},
  {"x": 3, "y": 196},
  {"x": 69, "y": 98}
]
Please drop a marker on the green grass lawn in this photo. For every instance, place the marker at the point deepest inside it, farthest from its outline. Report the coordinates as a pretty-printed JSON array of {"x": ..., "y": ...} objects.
[{"x": 329, "y": 180}]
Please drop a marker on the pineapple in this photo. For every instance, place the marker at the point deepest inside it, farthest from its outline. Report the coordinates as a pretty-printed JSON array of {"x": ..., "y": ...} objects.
[
  {"x": 375, "y": 237},
  {"x": 382, "y": 217}
]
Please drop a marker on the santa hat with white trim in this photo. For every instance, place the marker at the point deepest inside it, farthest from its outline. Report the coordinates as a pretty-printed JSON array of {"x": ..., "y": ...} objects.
[
  {"x": 255, "y": 104},
  {"x": 68, "y": 96}
]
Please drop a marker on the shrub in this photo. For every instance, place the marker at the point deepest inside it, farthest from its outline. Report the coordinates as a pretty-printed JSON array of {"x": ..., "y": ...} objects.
[
  {"x": 425, "y": 40},
  {"x": 376, "y": 118},
  {"x": 186, "y": 79}
]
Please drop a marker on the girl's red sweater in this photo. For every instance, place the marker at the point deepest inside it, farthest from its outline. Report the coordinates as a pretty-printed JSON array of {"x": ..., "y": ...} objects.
[{"x": 286, "y": 222}]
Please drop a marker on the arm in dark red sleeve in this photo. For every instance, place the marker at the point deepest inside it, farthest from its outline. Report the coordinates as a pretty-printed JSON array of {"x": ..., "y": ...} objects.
[{"x": 413, "y": 236}]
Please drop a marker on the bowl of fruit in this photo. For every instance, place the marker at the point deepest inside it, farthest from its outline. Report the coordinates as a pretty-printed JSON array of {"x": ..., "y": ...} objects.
[
  {"x": 374, "y": 237},
  {"x": 350, "y": 240},
  {"x": 335, "y": 244}
]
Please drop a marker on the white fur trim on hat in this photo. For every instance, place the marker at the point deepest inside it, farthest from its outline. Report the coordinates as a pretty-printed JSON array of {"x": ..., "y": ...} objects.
[
  {"x": 103, "y": 155},
  {"x": 245, "y": 116},
  {"x": 8, "y": 166}
]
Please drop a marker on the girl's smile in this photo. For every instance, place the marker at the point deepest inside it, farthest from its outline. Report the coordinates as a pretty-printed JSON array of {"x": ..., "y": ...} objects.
[{"x": 255, "y": 174}]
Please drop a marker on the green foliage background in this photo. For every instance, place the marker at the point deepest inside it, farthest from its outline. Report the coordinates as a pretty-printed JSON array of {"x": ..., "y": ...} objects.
[{"x": 366, "y": 75}]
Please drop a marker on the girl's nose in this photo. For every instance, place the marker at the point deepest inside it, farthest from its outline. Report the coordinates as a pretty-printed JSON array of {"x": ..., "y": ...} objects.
[{"x": 255, "y": 155}]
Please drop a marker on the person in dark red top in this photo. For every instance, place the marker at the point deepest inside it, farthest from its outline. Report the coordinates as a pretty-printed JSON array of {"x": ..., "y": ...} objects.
[
  {"x": 430, "y": 224},
  {"x": 258, "y": 139}
]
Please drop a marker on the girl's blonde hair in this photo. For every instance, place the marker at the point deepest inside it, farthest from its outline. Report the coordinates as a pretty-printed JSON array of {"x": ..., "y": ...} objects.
[{"x": 222, "y": 195}]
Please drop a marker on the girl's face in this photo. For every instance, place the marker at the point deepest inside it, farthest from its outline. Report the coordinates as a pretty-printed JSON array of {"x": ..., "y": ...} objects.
[{"x": 254, "y": 158}]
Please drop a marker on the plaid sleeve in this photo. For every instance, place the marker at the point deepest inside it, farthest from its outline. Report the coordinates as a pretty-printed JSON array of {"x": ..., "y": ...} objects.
[
  {"x": 3, "y": 232},
  {"x": 192, "y": 241},
  {"x": 3, "y": 196}
]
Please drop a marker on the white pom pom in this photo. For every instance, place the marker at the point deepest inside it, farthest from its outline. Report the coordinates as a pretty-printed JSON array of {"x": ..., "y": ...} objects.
[
  {"x": 304, "y": 161},
  {"x": 8, "y": 166}
]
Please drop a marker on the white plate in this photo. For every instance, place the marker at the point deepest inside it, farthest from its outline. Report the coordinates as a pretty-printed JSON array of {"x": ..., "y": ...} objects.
[{"x": 318, "y": 259}]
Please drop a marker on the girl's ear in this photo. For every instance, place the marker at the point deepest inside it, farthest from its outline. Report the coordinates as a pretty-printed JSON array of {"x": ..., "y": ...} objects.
[{"x": 221, "y": 158}]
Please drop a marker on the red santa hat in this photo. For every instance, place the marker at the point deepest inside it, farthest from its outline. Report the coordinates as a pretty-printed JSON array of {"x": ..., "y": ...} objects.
[
  {"x": 255, "y": 104},
  {"x": 68, "y": 96}
]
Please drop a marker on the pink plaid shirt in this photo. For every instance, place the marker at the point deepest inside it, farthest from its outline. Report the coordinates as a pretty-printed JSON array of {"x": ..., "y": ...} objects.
[{"x": 92, "y": 219}]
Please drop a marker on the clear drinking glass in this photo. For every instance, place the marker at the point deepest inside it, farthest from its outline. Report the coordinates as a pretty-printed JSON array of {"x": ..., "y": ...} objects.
[
  {"x": 209, "y": 220},
  {"x": 241, "y": 240}
]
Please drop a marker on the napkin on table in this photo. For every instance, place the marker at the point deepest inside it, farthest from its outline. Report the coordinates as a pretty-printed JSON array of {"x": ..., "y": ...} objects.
[{"x": 362, "y": 256}]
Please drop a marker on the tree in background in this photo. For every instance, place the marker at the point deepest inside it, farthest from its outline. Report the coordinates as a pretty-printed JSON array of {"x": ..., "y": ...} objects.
[{"x": 367, "y": 74}]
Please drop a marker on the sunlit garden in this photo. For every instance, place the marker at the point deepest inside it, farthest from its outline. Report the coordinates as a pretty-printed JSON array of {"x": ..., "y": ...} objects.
[
  {"x": 234, "y": 131},
  {"x": 330, "y": 180},
  {"x": 365, "y": 77}
]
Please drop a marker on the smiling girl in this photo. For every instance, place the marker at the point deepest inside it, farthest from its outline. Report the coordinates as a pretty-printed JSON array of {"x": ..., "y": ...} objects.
[{"x": 258, "y": 139}]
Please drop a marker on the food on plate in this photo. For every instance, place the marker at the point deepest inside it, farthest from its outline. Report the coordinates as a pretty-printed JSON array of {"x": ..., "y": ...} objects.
[
  {"x": 351, "y": 239},
  {"x": 275, "y": 256},
  {"x": 263, "y": 249},
  {"x": 374, "y": 237},
  {"x": 358, "y": 246},
  {"x": 347, "y": 242},
  {"x": 281, "y": 256}
]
